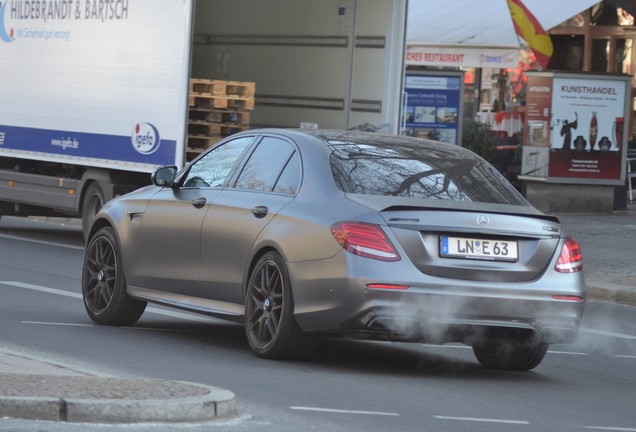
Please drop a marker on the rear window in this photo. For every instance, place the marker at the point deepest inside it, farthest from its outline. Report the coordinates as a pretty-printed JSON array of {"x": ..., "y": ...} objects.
[{"x": 425, "y": 170}]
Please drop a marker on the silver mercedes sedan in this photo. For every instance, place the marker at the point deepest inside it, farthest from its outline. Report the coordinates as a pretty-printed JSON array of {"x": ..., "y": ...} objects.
[{"x": 302, "y": 233}]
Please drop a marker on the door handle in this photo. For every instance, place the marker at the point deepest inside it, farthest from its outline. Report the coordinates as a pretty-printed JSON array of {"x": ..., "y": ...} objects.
[
  {"x": 198, "y": 202},
  {"x": 260, "y": 211}
]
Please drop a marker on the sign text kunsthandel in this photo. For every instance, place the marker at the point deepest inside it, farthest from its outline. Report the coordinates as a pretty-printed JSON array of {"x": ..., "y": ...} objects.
[
  {"x": 587, "y": 89},
  {"x": 59, "y": 10}
]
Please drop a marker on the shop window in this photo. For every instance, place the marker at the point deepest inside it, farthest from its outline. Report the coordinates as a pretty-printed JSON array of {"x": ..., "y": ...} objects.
[{"x": 568, "y": 53}]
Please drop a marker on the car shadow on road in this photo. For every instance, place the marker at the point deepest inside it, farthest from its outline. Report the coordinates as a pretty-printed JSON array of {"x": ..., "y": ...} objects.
[
  {"x": 411, "y": 359},
  {"x": 352, "y": 356}
]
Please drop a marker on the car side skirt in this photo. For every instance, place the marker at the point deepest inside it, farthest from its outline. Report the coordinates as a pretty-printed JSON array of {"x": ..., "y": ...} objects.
[{"x": 218, "y": 309}]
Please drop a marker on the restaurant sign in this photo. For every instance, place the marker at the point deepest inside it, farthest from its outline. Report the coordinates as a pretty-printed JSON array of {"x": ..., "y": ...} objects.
[{"x": 457, "y": 56}]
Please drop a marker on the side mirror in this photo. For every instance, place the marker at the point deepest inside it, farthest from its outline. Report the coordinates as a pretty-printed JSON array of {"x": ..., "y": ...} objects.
[{"x": 164, "y": 176}]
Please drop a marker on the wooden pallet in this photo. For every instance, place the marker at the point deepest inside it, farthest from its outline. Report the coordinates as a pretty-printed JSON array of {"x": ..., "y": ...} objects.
[
  {"x": 204, "y": 128},
  {"x": 221, "y": 102},
  {"x": 217, "y": 109},
  {"x": 219, "y": 116},
  {"x": 220, "y": 87}
]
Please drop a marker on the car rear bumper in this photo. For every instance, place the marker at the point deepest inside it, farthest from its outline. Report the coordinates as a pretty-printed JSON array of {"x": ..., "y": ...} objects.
[
  {"x": 384, "y": 324},
  {"x": 431, "y": 309}
]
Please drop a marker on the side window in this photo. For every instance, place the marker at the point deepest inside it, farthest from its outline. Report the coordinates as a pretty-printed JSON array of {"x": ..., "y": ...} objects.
[
  {"x": 213, "y": 169},
  {"x": 264, "y": 167},
  {"x": 289, "y": 180}
]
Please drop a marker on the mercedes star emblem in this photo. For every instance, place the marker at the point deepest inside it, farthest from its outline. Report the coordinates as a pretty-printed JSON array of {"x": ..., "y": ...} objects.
[{"x": 483, "y": 221}]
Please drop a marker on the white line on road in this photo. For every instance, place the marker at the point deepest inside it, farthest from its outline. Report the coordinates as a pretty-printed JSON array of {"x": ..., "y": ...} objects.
[
  {"x": 625, "y": 356},
  {"x": 57, "y": 324},
  {"x": 339, "y": 411},
  {"x": 42, "y": 242},
  {"x": 608, "y": 333},
  {"x": 609, "y": 428},
  {"x": 567, "y": 353},
  {"x": 41, "y": 289},
  {"x": 484, "y": 420},
  {"x": 156, "y": 329},
  {"x": 91, "y": 325},
  {"x": 173, "y": 314},
  {"x": 447, "y": 346}
]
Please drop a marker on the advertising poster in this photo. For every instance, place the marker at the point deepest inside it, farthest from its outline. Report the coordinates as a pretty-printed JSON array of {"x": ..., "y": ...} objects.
[
  {"x": 536, "y": 147},
  {"x": 588, "y": 128},
  {"x": 538, "y": 111},
  {"x": 575, "y": 129},
  {"x": 433, "y": 106}
]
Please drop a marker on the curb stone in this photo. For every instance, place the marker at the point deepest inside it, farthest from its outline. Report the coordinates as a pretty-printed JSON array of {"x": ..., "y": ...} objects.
[
  {"x": 195, "y": 403},
  {"x": 610, "y": 293}
]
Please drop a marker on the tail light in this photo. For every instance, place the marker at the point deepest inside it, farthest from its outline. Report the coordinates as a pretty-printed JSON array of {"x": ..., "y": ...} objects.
[
  {"x": 388, "y": 286},
  {"x": 571, "y": 259},
  {"x": 364, "y": 239},
  {"x": 568, "y": 298}
]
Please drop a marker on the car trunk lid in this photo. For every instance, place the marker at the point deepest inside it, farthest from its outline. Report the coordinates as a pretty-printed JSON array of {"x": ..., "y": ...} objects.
[{"x": 498, "y": 243}]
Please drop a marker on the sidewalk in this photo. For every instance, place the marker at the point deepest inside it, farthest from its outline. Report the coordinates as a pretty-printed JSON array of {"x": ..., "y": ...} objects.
[
  {"x": 36, "y": 388},
  {"x": 608, "y": 244}
]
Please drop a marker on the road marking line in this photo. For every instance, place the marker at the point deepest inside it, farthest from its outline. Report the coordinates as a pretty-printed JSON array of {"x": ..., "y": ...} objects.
[
  {"x": 625, "y": 356},
  {"x": 57, "y": 324},
  {"x": 41, "y": 289},
  {"x": 173, "y": 314},
  {"x": 42, "y": 242},
  {"x": 339, "y": 411},
  {"x": 568, "y": 353},
  {"x": 609, "y": 428},
  {"x": 485, "y": 420},
  {"x": 156, "y": 329},
  {"x": 446, "y": 346},
  {"x": 608, "y": 333},
  {"x": 91, "y": 325}
]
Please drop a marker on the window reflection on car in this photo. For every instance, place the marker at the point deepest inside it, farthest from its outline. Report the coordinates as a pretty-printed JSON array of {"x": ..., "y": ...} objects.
[
  {"x": 213, "y": 168},
  {"x": 266, "y": 164},
  {"x": 439, "y": 174}
]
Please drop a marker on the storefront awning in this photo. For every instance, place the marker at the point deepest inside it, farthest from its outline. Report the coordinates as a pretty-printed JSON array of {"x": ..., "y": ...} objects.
[{"x": 469, "y": 33}]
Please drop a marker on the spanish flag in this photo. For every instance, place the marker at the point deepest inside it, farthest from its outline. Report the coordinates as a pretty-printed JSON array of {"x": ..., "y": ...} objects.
[{"x": 528, "y": 27}]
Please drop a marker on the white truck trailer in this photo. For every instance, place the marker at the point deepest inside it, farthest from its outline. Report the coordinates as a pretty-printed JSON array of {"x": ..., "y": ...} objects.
[{"x": 94, "y": 94}]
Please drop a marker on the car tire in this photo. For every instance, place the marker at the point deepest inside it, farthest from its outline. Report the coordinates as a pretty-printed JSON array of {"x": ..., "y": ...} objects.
[
  {"x": 272, "y": 330},
  {"x": 104, "y": 285},
  {"x": 92, "y": 203},
  {"x": 505, "y": 355}
]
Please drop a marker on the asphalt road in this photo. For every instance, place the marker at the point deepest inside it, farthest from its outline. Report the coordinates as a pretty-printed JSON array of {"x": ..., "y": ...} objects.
[{"x": 348, "y": 386}]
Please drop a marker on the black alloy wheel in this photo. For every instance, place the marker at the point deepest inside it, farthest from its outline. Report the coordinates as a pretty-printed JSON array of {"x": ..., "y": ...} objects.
[
  {"x": 272, "y": 331},
  {"x": 103, "y": 283}
]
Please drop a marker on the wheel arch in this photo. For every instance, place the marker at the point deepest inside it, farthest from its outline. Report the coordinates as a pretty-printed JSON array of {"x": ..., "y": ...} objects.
[
  {"x": 98, "y": 224},
  {"x": 257, "y": 255}
]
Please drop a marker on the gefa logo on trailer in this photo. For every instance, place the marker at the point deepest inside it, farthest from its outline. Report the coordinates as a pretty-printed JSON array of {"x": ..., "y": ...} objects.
[
  {"x": 7, "y": 36},
  {"x": 145, "y": 138}
]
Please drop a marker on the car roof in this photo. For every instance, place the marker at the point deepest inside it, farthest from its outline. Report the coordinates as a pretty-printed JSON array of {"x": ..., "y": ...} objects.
[{"x": 334, "y": 138}]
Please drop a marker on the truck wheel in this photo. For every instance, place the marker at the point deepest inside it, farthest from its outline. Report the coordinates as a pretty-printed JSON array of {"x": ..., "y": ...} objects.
[
  {"x": 272, "y": 331},
  {"x": 104, "y": 285},
  {"x": 92, "y": 204},
  {"x": 508, "y": 355}
]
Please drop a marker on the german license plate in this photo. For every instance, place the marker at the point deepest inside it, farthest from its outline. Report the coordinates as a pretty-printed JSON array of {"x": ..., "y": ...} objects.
[{"x": 479, "y": 249}]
